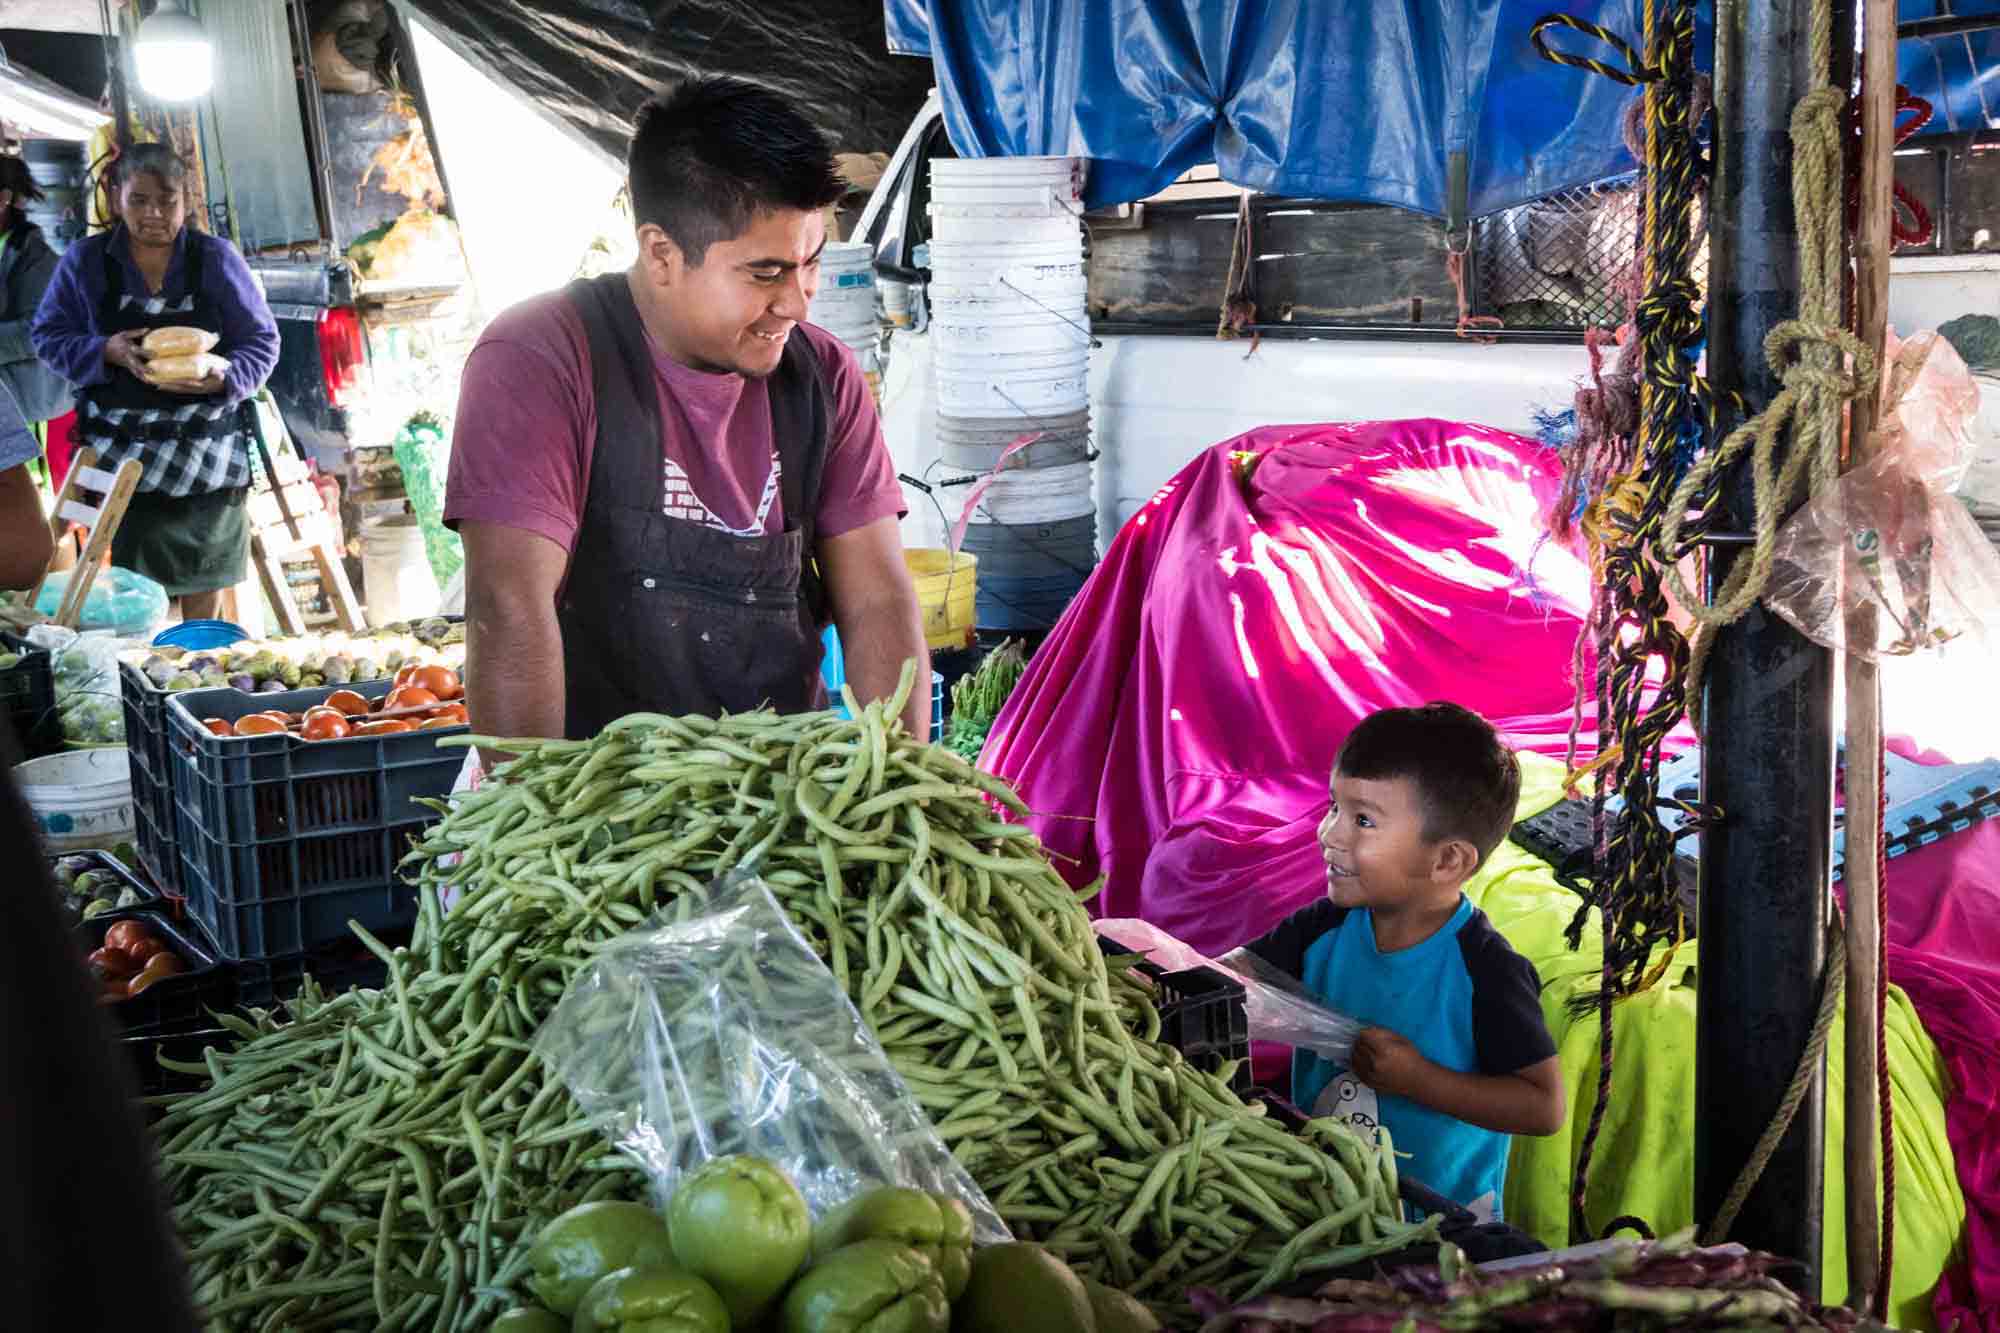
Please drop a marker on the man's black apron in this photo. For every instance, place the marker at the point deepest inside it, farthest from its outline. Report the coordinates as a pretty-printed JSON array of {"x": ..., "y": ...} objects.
[
  {"x": 185, "y": 445},
  {"x": 665, "y": 615}
]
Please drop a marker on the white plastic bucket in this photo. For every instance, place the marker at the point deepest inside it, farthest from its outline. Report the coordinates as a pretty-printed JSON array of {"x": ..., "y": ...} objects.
[
  {"x": 984, "y": 229},
  {"x": 1054, "y": 330},
  {"x": 1007, "y": 187},
  {"x": 990, "y": 298},
  {"x": 995, "y": 431},
  {"x": 896, "y": 305},
  {"x": 1004, "y": 363},
  {"x": 1027, "y": 393},
  {"x": 396, "y": 572},
  {"x": 80, "y": 798},
  {"x": 1038, "y": 495}
]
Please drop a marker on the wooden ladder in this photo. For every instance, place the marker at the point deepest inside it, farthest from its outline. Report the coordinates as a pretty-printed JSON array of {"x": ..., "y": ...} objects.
[
  {"x": 99, "y": 518},
  {"x": 288, "y": 521}
]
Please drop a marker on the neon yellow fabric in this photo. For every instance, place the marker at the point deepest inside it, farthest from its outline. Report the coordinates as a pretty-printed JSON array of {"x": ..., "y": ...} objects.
[{"x": 1644, "y": 1163}]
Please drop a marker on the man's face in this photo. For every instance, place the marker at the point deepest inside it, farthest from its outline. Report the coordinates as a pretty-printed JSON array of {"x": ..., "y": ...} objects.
[
  {"x": 152, "y": 208},
  {"x": 1373, "y": 843},
  {"x": 736, "y": 310}
]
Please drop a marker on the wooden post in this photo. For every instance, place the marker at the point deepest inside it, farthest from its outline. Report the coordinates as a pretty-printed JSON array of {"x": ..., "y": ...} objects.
[{"x": 1872, "y": 244}]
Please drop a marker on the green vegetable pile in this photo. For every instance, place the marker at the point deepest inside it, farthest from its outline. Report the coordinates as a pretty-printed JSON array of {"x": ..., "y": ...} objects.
[
  {"x": 978, "y": 698},
  {"x": 90, "y": 889},
  {"x": 386, "y": 1158},
  {"x": 737, "y": 1252},
  {"x": 303, "y": 661}
]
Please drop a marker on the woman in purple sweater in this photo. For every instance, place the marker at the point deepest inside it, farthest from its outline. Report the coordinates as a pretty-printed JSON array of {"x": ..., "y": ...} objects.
[{"x": 187, "y": 527}]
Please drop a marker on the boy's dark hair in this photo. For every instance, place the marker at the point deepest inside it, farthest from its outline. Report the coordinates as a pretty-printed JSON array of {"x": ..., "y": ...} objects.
[
  {"x": 711, "y": 155},
  {"x": 1469, "y": 782},
  {"x": 152, "y": 159}
]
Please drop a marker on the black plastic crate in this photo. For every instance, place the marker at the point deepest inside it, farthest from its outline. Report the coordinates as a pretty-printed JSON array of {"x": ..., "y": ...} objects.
[
  {"x": 282, "y": 840},
  {"x": 145, "y": 709},
  {"x": 28, "y": 698},
  {"x": 156, "y": 1079},
  {"x": 1202, "y": 1014},
  {"x": 340, "y": 966},
  {"x": 104, "y": 863},
  {"x": 175, "y": 1004}
]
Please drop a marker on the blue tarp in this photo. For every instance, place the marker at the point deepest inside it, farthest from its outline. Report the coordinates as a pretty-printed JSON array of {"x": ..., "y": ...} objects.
[{"x": 1364, "y": 100}]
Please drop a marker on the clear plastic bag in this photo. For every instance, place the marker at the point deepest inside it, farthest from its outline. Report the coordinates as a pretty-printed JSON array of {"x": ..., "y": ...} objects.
[
  {"x": 1278, "y": 1008},
  {"x": 727, "y": 1034},
  {"x": 1891, "y": 536},
  {"x": 85, "y": 670}
]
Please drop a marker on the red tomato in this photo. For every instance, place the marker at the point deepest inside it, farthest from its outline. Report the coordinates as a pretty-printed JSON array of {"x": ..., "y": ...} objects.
[
  {"x": 403, "y": 675},
  {"x": 386, "y": 727},
  {"x": 456, "y": 712},
  {"x": 260, "y": 724},
  {"x": 410, "y": 696},
  {"x": 220, "y": 726},
  {"x": 346, "y": 702},
  {"x": 438, "y": 721},
  {"x": 323, "y": 724},
  {"x": 160, "y": 967},
  {"x": 439, "y": 680},
  {"x": 112, "y": 962},
  {"x": 124, "y": 934},
  {"x": 144, "y": 949}
]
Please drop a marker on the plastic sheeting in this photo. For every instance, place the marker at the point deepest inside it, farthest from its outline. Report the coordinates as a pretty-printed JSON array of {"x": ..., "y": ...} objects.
[
  {"x": 1176, "y": 730},
  {"x": 591, "y": 63},
  {"x": 1355, "y": 100}
]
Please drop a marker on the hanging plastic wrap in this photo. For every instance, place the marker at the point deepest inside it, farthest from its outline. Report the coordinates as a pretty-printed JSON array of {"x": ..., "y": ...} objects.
[
  {"x": 1275, "y": 1005},
  {"x": 1891, "y": 535},
  {"x": 727, "y": 1034},
  {"x": 119, "y": 600}
]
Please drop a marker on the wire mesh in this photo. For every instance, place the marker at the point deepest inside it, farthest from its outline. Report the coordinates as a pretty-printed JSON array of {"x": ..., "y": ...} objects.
[{"x": 1567, "y": 261}]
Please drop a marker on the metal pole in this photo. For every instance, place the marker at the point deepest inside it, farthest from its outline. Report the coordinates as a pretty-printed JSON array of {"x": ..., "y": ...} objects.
[{"x": 1768, "y": 760}]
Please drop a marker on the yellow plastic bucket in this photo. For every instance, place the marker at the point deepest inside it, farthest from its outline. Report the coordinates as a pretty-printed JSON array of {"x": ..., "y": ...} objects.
[{"x": 944, "y": 589}]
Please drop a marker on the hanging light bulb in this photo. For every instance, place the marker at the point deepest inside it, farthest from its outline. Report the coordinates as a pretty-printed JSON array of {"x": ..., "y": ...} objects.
[{"x": 173, "y": 54}]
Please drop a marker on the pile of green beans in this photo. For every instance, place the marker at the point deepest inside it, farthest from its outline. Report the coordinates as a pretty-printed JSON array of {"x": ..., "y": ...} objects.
[{"x": 384, "y": 1158}]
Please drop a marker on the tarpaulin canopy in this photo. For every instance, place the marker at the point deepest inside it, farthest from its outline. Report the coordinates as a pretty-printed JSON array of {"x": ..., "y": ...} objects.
[
  {"x": 591, "y": 63},
  {"x": 1441, "y": 106}
]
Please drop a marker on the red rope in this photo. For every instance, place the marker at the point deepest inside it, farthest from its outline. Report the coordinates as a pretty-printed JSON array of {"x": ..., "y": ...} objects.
[
  {"x": 1888, "y": 1114},
  {"x": 1454, "y": 264}
]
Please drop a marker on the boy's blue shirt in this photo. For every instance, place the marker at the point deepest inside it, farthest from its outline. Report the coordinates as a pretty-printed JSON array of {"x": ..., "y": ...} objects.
[{"x": 1463, "y": 997}]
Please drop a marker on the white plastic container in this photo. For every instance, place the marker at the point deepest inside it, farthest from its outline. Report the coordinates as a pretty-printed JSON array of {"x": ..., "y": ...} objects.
[
  {"x": 80, "y": 798},
  {"x": 396, "y": 575},
  {"x": 1038, "y": 495},
  {"x": 1019, "y": 332},
  {"x": 961, "y": 228},
  {"x": 994, "y": 389},
  {"x": 1007, "y": 187}
]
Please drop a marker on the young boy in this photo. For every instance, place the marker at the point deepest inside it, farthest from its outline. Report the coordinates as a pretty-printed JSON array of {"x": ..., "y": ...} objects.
[{"x": 1454, "y": 1055}]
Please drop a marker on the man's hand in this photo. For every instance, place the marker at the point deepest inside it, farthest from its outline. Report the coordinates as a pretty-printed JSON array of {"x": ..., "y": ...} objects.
[
  {"x": 875, "y": 609},
  {"x": 1388, "y": 1062},
  {"x": 122, "y": 350}
]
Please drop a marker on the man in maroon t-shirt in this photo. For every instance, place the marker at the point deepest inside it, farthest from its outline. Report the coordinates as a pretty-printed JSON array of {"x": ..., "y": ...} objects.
[{"x": 668, "y": 483}]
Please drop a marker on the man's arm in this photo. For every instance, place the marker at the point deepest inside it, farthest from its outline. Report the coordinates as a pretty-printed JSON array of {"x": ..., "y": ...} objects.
[
  {"x": 26, "y": 543},
  {"x": 514, "y": 681},
  {"x": 1531, "y": 1100},
  {"x": 875, "y": 609}
]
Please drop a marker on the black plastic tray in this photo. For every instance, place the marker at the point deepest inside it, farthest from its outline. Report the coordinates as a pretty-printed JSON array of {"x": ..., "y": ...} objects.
[
  {"x": 1202, "y": 1014},
  {"x": 177, "y": 1004}
]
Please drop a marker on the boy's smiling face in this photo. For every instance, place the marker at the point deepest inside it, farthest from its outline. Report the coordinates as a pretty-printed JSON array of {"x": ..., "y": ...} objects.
[{"x": 1373, "y": 843}]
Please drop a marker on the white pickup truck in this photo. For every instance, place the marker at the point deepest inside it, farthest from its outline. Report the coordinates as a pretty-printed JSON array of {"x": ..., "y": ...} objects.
[{"x": 1356, "y": 320}]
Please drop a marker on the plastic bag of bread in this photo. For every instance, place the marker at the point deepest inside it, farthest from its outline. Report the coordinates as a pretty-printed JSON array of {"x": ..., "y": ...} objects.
[
  {"x": 185, "y": 371},
  {"x": 177, "y": 340}
]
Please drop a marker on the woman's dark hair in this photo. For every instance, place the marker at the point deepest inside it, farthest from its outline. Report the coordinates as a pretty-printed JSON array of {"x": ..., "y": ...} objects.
[
  {"x": 711, "y": 155},
  {"x": 15, "y": 178},
  {"x": 152, "y": 159}
]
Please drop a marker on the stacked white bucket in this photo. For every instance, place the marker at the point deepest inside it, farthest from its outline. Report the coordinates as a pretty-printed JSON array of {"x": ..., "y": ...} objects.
[
  {"x": 1010, "y": 335},
  {"x": 845, "y": 303}
]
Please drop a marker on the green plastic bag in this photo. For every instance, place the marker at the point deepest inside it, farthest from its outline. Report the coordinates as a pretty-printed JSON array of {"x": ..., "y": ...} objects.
[{"x": 423, "y": 454}]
